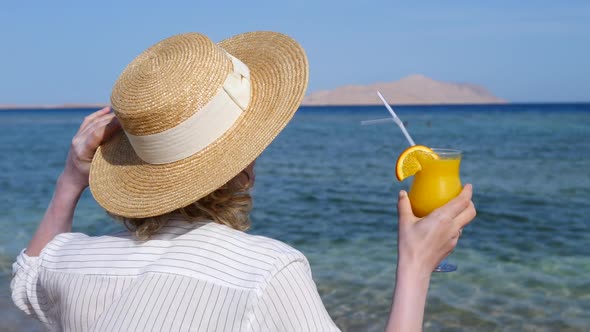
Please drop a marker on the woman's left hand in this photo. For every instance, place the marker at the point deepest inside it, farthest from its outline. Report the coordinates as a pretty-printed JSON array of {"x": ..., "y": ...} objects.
[{"x": 96, "y": 128}]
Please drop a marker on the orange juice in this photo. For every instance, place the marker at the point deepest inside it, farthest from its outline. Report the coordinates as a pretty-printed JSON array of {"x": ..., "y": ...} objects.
[{"x": 437, "y": 183}]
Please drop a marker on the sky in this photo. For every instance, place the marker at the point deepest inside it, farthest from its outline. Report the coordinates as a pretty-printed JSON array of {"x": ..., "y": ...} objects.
[{"x": 55, "y": 52}]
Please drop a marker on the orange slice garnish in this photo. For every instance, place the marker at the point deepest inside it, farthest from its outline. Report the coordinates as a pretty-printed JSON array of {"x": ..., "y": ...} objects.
[{"x": 411, "y": 160}]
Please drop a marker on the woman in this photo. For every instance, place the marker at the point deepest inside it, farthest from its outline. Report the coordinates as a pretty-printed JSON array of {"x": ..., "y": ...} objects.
[{"x": 194, "y": 117}]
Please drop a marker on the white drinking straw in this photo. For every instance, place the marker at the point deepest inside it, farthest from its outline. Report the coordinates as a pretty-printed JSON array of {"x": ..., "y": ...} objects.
[{"x": 397, "y": 120}]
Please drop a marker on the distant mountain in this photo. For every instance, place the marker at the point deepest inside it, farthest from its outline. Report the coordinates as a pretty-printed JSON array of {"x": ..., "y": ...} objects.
[{"x": 413, "y": 89}]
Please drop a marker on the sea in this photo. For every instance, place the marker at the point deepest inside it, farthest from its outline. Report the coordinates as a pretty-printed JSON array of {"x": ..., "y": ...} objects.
[{"x": 327, "y": 187}]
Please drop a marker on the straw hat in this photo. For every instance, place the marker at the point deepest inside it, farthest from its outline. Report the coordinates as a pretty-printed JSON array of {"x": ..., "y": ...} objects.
[{"x": 194, "y": 115}]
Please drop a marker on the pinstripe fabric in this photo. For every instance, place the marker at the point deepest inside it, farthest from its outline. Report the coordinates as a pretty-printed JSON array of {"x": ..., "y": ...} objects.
[{"x": 188, "y": 277}]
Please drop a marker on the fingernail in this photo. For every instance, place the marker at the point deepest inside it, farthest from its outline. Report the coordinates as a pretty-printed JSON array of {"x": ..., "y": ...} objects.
[{"x": 402, "y": 194}]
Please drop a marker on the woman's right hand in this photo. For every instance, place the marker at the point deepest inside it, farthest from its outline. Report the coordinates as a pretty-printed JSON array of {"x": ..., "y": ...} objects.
[{"x": 424, "y": 243}]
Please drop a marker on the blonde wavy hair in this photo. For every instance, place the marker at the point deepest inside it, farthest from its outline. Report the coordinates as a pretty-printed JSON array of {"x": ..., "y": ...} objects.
[{"x": 229, "y": 205}]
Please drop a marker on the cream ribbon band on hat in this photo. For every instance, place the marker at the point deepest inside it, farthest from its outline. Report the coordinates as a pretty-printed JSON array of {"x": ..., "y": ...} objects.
[{"x": 203, "y": 127}]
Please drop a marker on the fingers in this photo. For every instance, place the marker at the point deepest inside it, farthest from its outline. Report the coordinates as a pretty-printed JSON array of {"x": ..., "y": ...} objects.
[
  {"x": 88, "y": 119},
  {"x": 466, "y": 216},
  {"x": 404, "y": 209},
  {"x": 452, "y": 244},
  {"x": 100, "y": 130},
  {"x": 98, "y": 121},
  {"x": 457, "y": 204},
  {"x": 112, "y": 127},
  {"x": 95, "y": 133}
]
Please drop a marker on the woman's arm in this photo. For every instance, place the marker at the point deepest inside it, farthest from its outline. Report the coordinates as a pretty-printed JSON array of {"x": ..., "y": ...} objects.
[
  {"x": 96, "y": 128},
  {"x": 422, "y": 245}
]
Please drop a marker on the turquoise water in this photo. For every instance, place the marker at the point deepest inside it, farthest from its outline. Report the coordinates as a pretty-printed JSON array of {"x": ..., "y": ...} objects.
[{"x": 327, "y": 187}]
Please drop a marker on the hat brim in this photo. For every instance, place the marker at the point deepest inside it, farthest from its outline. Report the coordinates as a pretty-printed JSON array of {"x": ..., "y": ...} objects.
[{"x": 125, "y": 185}]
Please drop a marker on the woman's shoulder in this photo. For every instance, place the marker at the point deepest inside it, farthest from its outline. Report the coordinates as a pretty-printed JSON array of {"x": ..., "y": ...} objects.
[
  {"x": 254, "y": 242},
  {"x": 71, "y": 245},
  {"x": 203, "y": 250},
  {"x": 231, "y": 256},
  {"x": 257, "y": 247},
  {"x": 64, "y": 240}
]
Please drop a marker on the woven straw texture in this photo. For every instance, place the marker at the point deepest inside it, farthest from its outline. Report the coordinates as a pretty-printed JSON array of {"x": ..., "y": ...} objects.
[{"x": 171, "y": 81}]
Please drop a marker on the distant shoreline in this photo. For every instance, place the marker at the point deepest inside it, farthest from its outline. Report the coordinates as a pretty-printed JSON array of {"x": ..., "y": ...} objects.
[
  {"x": 98, "y": 106},
  {"x": 50, "y": 107},
  {"x": 455, "y": 104}
]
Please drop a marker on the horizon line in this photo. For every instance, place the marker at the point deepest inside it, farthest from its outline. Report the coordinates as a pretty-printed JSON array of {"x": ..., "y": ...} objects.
[{"x": 4, "y": 107}]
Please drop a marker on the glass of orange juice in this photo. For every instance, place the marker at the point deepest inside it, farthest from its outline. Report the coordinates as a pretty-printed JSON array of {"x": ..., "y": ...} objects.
[{"x": 434, "y": 185}]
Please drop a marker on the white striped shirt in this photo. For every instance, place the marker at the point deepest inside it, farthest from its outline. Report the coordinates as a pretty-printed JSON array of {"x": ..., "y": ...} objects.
[{"x": 188, "y": 277}]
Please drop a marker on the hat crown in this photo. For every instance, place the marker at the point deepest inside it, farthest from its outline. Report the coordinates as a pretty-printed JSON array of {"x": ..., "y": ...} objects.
[{"x": 168, "y": 83}]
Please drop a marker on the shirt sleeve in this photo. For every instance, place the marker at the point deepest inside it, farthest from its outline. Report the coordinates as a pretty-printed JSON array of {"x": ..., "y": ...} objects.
[
  {"x": 28, "y": 293},
  {"x": 290, "y": 302}
]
